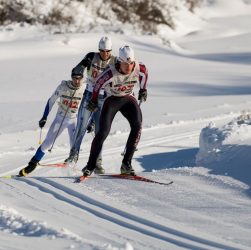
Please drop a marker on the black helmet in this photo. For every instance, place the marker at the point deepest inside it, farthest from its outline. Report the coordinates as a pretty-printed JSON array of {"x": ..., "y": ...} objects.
[{"x": 77, "y": 72}]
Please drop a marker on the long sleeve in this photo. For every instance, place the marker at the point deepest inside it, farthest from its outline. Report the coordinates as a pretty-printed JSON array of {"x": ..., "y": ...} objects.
[
  {"x": 143, "y": 76},
  {"x": 85, "y": 63},
  {"x": 51, "y": 102}
]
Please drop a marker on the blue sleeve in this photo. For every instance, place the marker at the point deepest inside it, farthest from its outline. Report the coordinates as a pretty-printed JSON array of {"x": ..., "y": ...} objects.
[
  {"x": 51, "y": 101},
  {"x": 46, "y": 110}
]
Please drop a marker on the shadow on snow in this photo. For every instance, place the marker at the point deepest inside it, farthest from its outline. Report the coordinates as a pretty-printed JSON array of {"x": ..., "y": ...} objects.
[
  {"x": 240, "y": 57},
  {"x": 240, "y": 86},
  {"x": 181, "y": 158},
  {"x": 236, "y": 162}
]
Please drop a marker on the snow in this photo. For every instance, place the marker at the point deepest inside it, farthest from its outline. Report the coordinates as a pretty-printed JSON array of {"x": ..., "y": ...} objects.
[
  {"x": 196, "y": 132},
  {"x": 225, "y": 150}
]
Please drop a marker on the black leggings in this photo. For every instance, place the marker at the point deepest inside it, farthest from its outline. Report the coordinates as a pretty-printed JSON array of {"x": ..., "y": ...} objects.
[{"x": 130, "y": 109}]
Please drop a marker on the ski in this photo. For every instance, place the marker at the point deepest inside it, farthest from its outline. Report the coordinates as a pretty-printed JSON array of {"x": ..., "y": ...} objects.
[
  {"x": 136, "y": 178},
  {"x": 55, "y": 165},
  {"x": 82, "y": 178},
  {"x": 11, "y": 176},
  {"x": 125, "y": 177}
]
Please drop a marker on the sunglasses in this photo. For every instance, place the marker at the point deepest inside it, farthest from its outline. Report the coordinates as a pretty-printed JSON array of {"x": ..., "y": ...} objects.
[
  {"x": 77, "y": 77},
  {"x": 103, "y": 50},
  {"x": 127, "y": 63}
]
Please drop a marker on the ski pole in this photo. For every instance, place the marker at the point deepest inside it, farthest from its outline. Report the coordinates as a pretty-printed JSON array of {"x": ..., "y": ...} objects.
[
  {"x": 78, "y": 133},
  {"x": 123, "y": 153},
  {"x": 62, "y": 121},
  {"x": 40, "y": 137},
  {"x": 89, "y": 122}
]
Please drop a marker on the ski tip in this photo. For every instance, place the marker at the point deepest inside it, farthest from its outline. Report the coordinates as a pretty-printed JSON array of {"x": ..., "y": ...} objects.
[
  {"x": 81, "y": 179},
  {"x": 9, "y": 176}
]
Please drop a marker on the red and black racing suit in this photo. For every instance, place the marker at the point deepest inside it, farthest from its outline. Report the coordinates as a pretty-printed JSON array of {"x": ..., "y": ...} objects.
[{"x": 119, "y": 88}]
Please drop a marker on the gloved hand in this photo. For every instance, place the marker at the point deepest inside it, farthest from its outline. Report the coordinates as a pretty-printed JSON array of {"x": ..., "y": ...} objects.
[
  {"x": 142, "y": 95},
  {"x": 90, "y": 128},
  {"x": 91, "y": 106},
  {"x": 42, "y": 122}
]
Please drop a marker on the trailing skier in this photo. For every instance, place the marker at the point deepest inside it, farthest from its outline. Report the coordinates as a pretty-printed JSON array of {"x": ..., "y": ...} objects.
[
  {"x": 95, "y": 63},
  {"x": 70, "y": 94},
  {"x": 119, "y": 80}
]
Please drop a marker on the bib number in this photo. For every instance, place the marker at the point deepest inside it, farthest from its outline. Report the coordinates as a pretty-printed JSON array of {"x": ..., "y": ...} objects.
[
  {"x": 124, "y": 88},
  {"x": 72, "y": 105}
]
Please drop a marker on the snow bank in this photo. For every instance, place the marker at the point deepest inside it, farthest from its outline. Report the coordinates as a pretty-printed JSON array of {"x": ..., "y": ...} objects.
[{"x": 227, "y": 149}]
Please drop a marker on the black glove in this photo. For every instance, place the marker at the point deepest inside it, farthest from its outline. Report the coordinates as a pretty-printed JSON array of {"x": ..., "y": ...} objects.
[
  {"x": 91, "y": 106},
  {"x": 42, "y": 122},
  {"x": 90, "y": 128},
  {"x": 142, "y": 95}
]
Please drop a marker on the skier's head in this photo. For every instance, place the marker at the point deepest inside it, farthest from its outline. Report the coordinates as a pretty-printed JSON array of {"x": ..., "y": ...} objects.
[
  {"x": 105, "y": 48},
  {"x": 126, "y": 54},
  {"x": 126, "y": 59},
  {"x": 105, "y": 43},
  {"x": 77, "y": 76}
]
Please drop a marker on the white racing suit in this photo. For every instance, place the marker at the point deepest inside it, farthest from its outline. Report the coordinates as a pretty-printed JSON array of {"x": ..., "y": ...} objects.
[{"x": 69, "y": 100}]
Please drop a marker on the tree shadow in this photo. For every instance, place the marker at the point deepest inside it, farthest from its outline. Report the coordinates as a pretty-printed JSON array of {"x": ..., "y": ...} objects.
[
  {"x": 240, "y": 57},
  {"x": 232, "y": 57},
  {"x": 193, "y": 89}
]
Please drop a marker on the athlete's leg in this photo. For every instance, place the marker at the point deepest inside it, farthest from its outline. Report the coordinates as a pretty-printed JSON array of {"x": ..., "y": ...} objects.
[
  {"x": 82, "y": 123},
  {"x": 131, "y": 111},
  {"x": 50, "y": 137},
  {"x": 109, "y": 110}
]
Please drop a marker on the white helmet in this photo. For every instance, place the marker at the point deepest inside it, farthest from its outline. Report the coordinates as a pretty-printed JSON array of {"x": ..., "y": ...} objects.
[
  {"x": 126, "y": 54},
  {"x": 105, "y": 43}
]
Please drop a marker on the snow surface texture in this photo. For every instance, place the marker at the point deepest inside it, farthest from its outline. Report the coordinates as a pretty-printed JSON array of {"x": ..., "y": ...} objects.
[{"x": 194, "y": 133}]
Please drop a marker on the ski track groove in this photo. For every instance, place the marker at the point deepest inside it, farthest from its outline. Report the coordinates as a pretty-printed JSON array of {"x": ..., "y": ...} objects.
[
  {"x": 170, "y": 236},
  {"x": 173, "y": 236}
]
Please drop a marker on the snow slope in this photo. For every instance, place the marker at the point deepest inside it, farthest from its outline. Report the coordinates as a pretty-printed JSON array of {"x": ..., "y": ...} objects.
[{"x": 196, "y": 80}]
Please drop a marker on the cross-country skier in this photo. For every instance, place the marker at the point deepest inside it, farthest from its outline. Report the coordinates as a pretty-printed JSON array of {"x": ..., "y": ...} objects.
[
  {"x": 119, "y": 80},
  {"x": 95, "y": 63},
  {"x": 70, "y": 94}
]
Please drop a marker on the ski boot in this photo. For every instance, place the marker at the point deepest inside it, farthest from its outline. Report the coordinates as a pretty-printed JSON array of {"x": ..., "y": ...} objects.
[
  {"x": 86, "y": 172},
  {"x": 31, "y": 166},
  {"x": 73, "y": 158},
  {"x": 127, "y": 169},
  {"x": 99, "y": 169}
]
